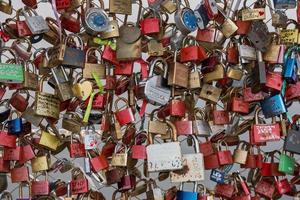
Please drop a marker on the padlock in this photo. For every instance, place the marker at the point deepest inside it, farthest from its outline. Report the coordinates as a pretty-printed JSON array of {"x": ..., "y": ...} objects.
[
  {"x": 210, "y": 93},
  {"x": 128, "y": 182},
  {"x": 185, "y": 195},
  {"x": 19, "y": 102},
  {"x": 251, "y": 14},
  {"x": 46, "y": 104},
  {"x": 79, "y": 184},
  {"x": 202, "y": 15},
  {"x": 279, "y": 19},
  {"x": 194, "y": 164},
  {"x": 99, "y": 162},
  {"x": 286, "y": 163},
  {"x": 21, "y": 25},
  {"x": 283, "y": 186},
  {"x": 169, "y": 158},
  {"x": 185, "y": 20},
  {"x": 241, "y": 153},
  {"x": 72, "y": 122},
  {"x": 120, "y": 7},
  {"x": 30, "y": 77},
  {"x": 228, "y": 27},
  {"x": 124, "y": 116},
  {"x": 265, "y": 189},
  {"x": 138, "y": 151},
  {"x": 69, "y": 22},
  {"x": 21, "y": 190},
  {"x": 220, "y": 117},
  {"x": 273, "y": 106},
  {"x": 49, "y": 141},
  {"x": 82, "y": 88},
  {"x": 264, "y": 132},
  {"x": 259, "y": 35},
  {"x": 191, "y": 51},
  {"x": 40, "y": 187},
  {"x": 289, "y": 4},
  {"x": 210, "y": 38},
  {"x": 290, "y": 69},
  {"x": 156, "y": 89},
  {"x": 119, "y": 157},
  {"x": 23, "y": 52},
  {"x": 95, "y": 19},
  {"x": 76, "y": 149},
  {"x": 14, "y": 124},
  {"x": 238, "y": 104},
  {"x": 63, "y": 84},
  {"x": 89, "y": 67},
  {"x": 289, "y": 35},
  {"x": 224, "y": 156},
  {"x": 150, "y": 22},
  {"x": 52, "y": 36},
  {"x": 113, "y": 29},
  {"x": 224, "y": 190},
  {"x": 19, "y": 174},
  {"x": 174, "y": 78},
  {"x": 275, "y": 52},
  {"x": 35, "y": 23},
  {"x": 217, "y": 74},
  {"x": 62, "y": 4},
  {"x": 6, "y": 7}
]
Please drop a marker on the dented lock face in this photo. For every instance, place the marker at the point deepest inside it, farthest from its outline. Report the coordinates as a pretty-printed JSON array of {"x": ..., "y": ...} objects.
[{"x": 156, "y": 89}]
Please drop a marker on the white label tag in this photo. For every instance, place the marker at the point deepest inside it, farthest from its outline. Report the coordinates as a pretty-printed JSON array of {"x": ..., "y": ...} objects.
[{"x": 90, "y": 142}]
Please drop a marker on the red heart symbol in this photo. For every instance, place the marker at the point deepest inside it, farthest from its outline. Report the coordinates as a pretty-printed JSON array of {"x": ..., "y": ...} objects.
[{"x": 261, "y": 13}]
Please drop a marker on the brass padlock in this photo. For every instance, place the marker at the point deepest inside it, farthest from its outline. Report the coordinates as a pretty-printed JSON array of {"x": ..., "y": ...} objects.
[
  {"x": 6, "y": 7},
  {"x": 176, "y": 71},
  {"x": 49, "y": 141},
  {"x": 98, "y": 68},
  {"x": 46, "y": 104},
  {"x": 40, "y": 163}
]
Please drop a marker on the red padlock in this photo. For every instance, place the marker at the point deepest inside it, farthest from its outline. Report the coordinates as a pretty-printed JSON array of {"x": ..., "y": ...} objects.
[
  {"x": 11, "y": 153},
  {"x": 283, "y": 186},
  {"x": 138, "y": 151},
  {"x": 124, "y": 68},
  {"x": 76, "y": 149},
  {"x": 110, "y": 55},
  {"x": 79, "y": 184},
  {"x": 292, "y": 91},
  {"x": 19, "y": 174},
  {"x": 7, "y": 140},
  {"x": 264, "y": 132},
  {"x": 40, "y": 187},
  {"x": 249, "y": 96},
  {"x": 99, "y": 101},
  {"x": 265, "y": 189},
  {"x": 220, "y": 117},
  {"x": 62, "y": 4},
  {"x": 206, "y": 148},
  {"x": 26, "y": 153},
  {"x": 129, "y": 134},
  {"x": 177, "y": 108},
  {"x": 22, "y": 27},
  {"x": 232, "y": 53},
  {"x": 4, "y": 165},
  {"x": 274, "y": 81},
  {"x": 128, "y": 182},
  {"x": 224, "y": 190},
  {"x": 243, "y": 26},
  {"x": 224, "y": 156},
  {"x": 192, "y": 51},
  {"x": 122, "y": 85},
  {"x": 30, "y": 3},
  {"x": 99, "y": 163},
  {"x": 126, "y": 115},
  {"x": 184, "y": 127},
  {"x": 239, "y": 105},
  {"x": 71, "y": 23},
  {"x": 211, "y": 162},
  {"x": 19, "y": 102},
  {"x": 151, "y": 24}
]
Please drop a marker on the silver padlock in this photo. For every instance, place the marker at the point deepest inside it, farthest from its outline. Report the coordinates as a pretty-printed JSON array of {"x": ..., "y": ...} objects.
[
  {"x": 62, "y": 83},
  {"x": 156, "y": 89},
  {"x": 37, "y": 24},
  {"x": 259, "y": 35}
]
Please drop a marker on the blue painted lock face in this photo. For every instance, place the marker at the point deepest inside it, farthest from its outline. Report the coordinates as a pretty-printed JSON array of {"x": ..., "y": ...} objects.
[
  {"x": 284, "y": 4},
  {"x": 184, "y": 195},
  {"x": 273, "y": 106},
  {"x": 15, "y": 126},
  {"x": 190, "y": 20},
  {"x": 217, "y": 176},
  {"x": 97, "y": 20}
]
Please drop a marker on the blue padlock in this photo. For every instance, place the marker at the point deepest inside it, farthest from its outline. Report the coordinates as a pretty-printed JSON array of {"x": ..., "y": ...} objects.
[
  {"x": 290, "y": 70},
  {"x": 14, "y": 125},
  {"x": 187, "y": 195},
  {"x": 273, "y": 106},
  {"x": 284, "y": 4}
]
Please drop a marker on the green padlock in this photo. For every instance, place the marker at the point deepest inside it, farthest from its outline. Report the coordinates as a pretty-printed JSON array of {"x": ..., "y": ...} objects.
[
  {"x": 12, "y": 71},
  {"x": 286, "y": 164}
]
